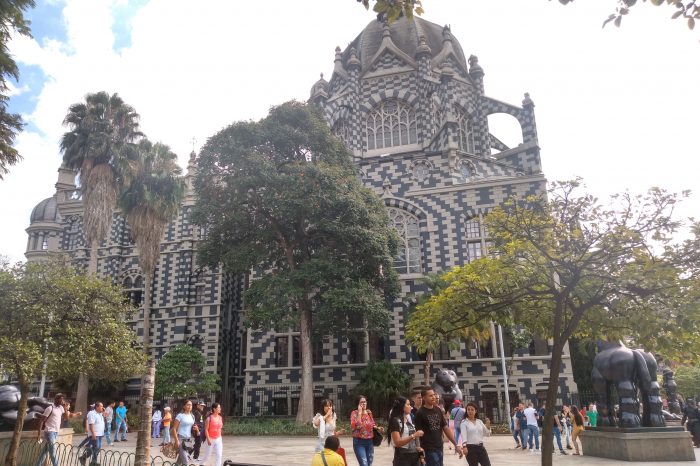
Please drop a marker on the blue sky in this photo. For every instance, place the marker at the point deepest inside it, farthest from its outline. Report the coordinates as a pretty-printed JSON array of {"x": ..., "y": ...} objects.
[{"x": 615, "y": 106}]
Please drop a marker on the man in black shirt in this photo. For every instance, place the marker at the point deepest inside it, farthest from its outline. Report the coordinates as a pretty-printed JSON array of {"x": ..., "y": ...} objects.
[
  {"x": 431, "y": 420},
  {"x": 197, "y": 432}
]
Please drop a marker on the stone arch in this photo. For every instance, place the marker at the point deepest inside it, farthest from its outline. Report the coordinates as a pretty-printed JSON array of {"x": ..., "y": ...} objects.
[{"x": 389, "y": 94}]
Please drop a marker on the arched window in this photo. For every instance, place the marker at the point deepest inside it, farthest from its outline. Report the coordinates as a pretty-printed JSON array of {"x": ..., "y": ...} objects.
[
  {"x": 392, "y": 123},
  {"x": 466, "y": 131},
  {"x": 408, "y": 259},
  {"x": 134, "y": 290}
]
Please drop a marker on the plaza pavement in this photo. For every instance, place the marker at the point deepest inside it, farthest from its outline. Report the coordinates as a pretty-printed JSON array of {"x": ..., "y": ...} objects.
[{"x": 299, "y": 451}]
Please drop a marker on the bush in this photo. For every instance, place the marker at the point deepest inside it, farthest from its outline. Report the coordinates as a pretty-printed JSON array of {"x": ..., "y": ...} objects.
[{"x": 78, "y": 425}]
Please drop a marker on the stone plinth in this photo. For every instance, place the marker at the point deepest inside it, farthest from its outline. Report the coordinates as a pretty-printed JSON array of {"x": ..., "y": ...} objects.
[{"x": 640, "y": 444}]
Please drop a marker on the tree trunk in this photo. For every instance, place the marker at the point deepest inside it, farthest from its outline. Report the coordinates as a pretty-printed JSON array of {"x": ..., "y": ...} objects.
[
  {"x": 426, "y": 368},
  {"x": 147, "y": 314},
  {"x": 547, "y": 440},
  {"x": 306, "y": 398},
  {"x": 11, "y": 458},
  {"x": 81, "y": 394},
  {"x": 143, "y": 441}
]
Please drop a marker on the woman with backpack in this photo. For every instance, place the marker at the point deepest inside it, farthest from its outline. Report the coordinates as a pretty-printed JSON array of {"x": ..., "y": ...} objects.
[
  {"x": 403, "y": 435},
  {"x": 213, "y": 426}
]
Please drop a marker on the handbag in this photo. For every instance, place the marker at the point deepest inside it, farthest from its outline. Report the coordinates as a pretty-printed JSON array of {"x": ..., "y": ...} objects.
[
  {"x": 169, "y": 450},
  {"x": 377, "y": 437}
]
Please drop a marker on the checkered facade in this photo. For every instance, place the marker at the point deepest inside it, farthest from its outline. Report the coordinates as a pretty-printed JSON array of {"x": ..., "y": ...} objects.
[
  {"x": 189, "y": 304},
  {"x": 443, "y": 177},
  {"x": 436, "y": 180}
]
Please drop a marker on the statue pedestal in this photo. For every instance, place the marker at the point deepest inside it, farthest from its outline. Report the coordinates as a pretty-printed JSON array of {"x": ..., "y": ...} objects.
[{"x": 638, "y": 444}]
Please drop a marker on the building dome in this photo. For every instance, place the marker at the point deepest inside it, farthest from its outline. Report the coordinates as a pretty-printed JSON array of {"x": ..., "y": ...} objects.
[
  {"x": 405, "y": 34},
  {"x": 45, "y": 211}
]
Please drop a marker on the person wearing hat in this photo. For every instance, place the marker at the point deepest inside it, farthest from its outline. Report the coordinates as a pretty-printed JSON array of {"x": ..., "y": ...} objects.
[
  {"x": 167, "y": 417},
  {"x": 199, "y": 429},
  {"x": 457, "y": 414}
]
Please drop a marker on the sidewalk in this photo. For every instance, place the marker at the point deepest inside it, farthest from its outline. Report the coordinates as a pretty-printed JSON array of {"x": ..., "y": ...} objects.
[{"x": 299, "y": 451}]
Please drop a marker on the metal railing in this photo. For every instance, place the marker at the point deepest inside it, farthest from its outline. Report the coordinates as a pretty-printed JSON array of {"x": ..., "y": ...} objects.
[{"x": 29, "y": 452}]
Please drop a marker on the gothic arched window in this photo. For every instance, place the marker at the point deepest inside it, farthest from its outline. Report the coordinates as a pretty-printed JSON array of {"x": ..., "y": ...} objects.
[
  {"x": 391, "y": 123},
  {"x": 466, "y": 131},
  {"x": 408, "y": 259},
  {"x": 134, "y": 290}
]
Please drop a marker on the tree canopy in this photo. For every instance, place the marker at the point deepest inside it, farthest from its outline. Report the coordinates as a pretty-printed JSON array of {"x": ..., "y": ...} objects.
[
  {"x": 281, "y": 197},
  {"x": 73, "y": 322},
  {"x": 567, "y": 266},
  {"x": 689, "y": 10},
  {"x": 11, "y": 20},
  {"x": 180, "y": 374}
]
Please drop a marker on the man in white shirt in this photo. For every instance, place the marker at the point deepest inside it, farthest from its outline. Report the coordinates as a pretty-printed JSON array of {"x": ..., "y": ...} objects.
[
  {"x": 96, "y": 426},
  {"x": 53, "y": 416},
  {"x": 533, "y": 429}
]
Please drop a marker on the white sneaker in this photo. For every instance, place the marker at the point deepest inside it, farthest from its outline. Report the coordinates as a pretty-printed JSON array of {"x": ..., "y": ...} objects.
[
  {"x": 532, "y": 450},
  {"x": 538, "y": 451}
]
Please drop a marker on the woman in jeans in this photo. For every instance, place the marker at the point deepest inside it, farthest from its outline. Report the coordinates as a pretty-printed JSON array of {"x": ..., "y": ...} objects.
[
  {"x": 403, "y": 434},
  {"x": 182, "y": 432},
  {"x": 362, "y": 423},
  {"x": 212, "y": 429}
]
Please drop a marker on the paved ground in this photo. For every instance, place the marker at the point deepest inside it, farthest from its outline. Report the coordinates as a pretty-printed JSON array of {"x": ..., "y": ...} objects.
[{"x": 299, "y": 451}]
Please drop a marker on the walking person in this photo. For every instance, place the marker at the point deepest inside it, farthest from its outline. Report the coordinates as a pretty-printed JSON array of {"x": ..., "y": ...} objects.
[
  {"x": 212, "y": 431},
  {"x": 556, "y": 428},
  {"x": 109, "y": 417},
  {"x": 362, "y": 425},
  {"x": 167, "y": 418},
  {"x": 522, "y": 425},
  {"x": 474, "y": 431},
  {"x": 182, "y": 433},
  {"x": 430, "y": 419},
  {"x": 532, "y": 428},
  {"x": 325, "y": 423},
  {"x": 458, "y": 413},
  {"x": 120, "y": 418},
  {"x": 198, "y": 428},
  {"x": 156, "y": 419},
  {"x": 51, "y": 425},
  {"x": 566, "y": 425},
  {"x": 86, "y": 440},
  {"x": 515, "y": 427},
  {"x": 96, "y": 425},
  {"x": 403, "y": 434},
  {"x": 576, "y": 427}
]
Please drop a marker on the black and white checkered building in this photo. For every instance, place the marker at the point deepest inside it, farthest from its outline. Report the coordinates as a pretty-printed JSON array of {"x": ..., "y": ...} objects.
[{"x": 412, "y": 109}]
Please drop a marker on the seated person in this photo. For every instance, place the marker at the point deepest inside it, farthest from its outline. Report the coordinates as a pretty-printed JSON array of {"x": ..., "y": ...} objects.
[{"x": 330, "y": 448}]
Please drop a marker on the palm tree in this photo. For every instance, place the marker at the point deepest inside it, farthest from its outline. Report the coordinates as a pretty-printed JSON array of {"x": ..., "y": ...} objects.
[
  {"x": 150, "y": 199},
  {"x": 100, "y": 141}
]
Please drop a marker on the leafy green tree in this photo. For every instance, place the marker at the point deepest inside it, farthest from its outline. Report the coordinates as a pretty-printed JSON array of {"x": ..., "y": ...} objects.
[
  {"x": 688, "y": 10},
  {"x": 688, "y": 380},
  {"x": 74, "y": 322},
  {"x": 180, "y": 374},
  {"x": 100, "y": 144},
  {"x": 381, "y": 382},
  {"x": 427, "y": 334},
  {"x": 11, "y": 19},
  {"x": 150, "y": 199},
  {"x": 282, "y": 197},
  {"x": 569, "y": 266}
]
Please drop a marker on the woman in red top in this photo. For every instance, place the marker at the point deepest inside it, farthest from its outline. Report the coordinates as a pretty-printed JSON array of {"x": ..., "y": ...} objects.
[
  {"x": 362, "y": 422},
  {"x": 212, "y": 429}
]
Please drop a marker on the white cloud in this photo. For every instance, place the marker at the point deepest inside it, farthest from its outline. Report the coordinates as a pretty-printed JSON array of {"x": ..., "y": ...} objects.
[{"x": 615, "y": 106}]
